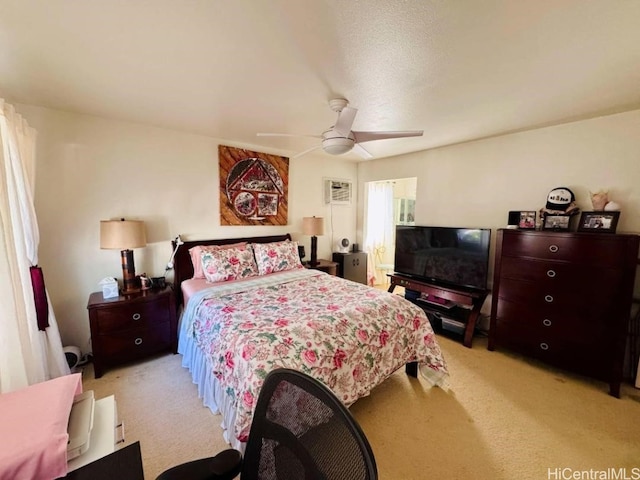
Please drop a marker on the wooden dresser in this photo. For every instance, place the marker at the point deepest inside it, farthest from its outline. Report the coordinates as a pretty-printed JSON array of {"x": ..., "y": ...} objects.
[
  {"x": 565, "y": 299},
  {"x": 131, "y": 326}
]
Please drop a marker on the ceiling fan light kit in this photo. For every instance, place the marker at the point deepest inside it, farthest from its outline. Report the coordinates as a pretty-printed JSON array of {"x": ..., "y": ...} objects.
[
  {"x": 335, "y": 144},
  {"x": 339, "y": 139}
]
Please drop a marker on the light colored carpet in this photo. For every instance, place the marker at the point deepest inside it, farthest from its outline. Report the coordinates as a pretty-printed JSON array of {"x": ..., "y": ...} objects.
[{"x": 505, "y": 418}]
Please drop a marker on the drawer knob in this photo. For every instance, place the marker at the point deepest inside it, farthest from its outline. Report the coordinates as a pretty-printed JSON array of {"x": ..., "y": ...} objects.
[
  {"x": 546, "y": 322},
  {"x": 553, "y": 248},
  {"x": 544, "y": 346},
  {"x": 138, "y": 341},
  {"x": 548, "y": 298},
  {"x": 136, "y": 316},
  {"x": 551, "y": 273}
]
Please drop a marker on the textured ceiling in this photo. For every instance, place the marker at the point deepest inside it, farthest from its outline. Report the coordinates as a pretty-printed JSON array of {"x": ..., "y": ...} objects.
[{"x": 459, "y": 70}]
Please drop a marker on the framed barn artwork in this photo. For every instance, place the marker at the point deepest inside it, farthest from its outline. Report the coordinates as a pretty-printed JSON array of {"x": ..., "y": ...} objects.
[{"x": 254, "y": 187}]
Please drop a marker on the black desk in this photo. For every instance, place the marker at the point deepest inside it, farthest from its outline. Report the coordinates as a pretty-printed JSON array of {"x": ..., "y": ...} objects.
[{"x": 123, "y": 464}]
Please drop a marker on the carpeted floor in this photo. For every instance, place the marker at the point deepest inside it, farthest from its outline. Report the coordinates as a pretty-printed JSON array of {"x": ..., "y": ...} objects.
[{"x": 504, "y": 418}]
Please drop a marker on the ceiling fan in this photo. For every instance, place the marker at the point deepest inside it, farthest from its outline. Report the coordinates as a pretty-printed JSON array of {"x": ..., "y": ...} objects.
[{"x": 340, "y": 139}]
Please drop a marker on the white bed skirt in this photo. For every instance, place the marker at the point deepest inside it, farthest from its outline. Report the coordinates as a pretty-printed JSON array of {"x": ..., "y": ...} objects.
[{"x": 213, "y": 396}]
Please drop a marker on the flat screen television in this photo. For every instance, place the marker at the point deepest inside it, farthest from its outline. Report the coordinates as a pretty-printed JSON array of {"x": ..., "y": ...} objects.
[{"x": 446, "y": 256}]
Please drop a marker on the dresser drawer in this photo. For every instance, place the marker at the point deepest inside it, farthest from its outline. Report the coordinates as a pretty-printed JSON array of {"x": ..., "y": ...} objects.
[
  {"x": 132, "y": 316},
  {"x": 132, "y": 344},
  {"x": 551, "y": 323},
  {"x": 586, "y": 300},
  {"x": 527, "y": 339},
  {"x": 582, "y": 355},
  {"x": 587, "y": 249},
  {"x": 571, "y": 276}
]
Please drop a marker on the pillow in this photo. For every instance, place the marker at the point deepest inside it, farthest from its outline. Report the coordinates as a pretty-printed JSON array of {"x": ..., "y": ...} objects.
[
  {"x": 196, "y": 259},
  {"x": 276, "y": 256},
  {"x": 231, "y": 263}
]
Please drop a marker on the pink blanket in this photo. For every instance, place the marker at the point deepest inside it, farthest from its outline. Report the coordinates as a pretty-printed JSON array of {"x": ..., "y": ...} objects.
[{"x": 33, "y": 429}]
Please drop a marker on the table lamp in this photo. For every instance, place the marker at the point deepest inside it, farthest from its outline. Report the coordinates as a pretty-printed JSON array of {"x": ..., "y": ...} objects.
[
  {"x": 124, "y": 235},
  {"x": 313, "y": 226}
]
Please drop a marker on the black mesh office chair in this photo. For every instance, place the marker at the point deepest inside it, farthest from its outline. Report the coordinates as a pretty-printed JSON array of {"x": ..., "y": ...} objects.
[{"x": 300, "y": 430}]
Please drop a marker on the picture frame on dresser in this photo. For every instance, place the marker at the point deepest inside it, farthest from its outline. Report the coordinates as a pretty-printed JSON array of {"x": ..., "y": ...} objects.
[
  {"x": 527, "y": 220},
  {"x": 556, "y": 222},
  {"x": 599, "y": 222}
]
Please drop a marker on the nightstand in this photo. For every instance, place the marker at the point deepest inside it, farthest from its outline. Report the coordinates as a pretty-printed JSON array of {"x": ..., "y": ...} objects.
[
  {"x": 324, "y": 266},
  {"x": 131, "y": 327}
]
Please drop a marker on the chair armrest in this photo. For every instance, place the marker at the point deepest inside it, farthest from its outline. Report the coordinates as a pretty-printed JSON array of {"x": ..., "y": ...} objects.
[{"x": 226, "y": 465}]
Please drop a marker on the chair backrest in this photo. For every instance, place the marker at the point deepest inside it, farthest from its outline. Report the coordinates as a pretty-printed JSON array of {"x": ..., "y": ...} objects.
[{"x": 300, "y": 430}]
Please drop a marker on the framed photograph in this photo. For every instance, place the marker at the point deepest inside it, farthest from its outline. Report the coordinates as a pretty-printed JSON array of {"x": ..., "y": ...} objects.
[
  {"x": 598, "y": 222},
  {"x": 527, "y": 220},
  {"x": 556, "y": 222}
]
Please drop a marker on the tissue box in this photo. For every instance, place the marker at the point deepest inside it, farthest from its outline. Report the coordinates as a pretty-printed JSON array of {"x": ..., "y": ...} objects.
[{"x": 109, "y": 287}]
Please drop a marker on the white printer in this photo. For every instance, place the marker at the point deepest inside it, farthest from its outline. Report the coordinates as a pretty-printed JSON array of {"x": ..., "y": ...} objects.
[{"x": 80, "y": 424}]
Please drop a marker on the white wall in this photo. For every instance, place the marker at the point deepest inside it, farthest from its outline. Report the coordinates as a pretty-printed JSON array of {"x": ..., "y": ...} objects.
[
  {"x": 475, "y": 184},
  {"x": 405, "y": 187},
  {"x": 91, "y": 169}
]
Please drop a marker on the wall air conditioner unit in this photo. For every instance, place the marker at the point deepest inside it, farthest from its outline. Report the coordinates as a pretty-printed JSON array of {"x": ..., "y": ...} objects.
[{"x": 337, "y": 192}]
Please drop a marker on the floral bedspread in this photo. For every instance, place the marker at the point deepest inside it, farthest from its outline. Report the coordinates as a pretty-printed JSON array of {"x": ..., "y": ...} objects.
[{"x": 348, "y": 335}]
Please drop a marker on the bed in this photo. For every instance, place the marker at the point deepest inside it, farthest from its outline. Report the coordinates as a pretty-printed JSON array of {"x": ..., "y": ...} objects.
[{"x": 236, "y": 328}]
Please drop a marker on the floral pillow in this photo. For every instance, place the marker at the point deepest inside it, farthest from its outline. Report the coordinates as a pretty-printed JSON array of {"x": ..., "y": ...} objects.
[
  {"x": 234, "y": 263},
  {"x": 276, "y": 256},
  {"x": 196, "y": 255}
]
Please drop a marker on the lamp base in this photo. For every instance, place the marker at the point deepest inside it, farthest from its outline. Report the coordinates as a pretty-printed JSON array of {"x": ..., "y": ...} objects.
[
  {"x": 314, "y": 252},
  {"x": 130, "y": 292},
  {"x": 129, "y": 284}
]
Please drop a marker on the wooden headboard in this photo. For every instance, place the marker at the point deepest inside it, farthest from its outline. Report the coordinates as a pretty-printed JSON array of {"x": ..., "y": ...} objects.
[{"x": 183, "y": 268}]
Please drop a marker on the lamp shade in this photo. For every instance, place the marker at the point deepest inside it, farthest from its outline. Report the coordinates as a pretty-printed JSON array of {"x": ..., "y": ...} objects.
[
  {"x": 122, "y": 234},
  {"x": 313, "y": 226}
]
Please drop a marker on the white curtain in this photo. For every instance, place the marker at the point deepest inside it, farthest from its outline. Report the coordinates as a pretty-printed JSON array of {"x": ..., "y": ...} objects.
[
  {"x": 379, "y": 228},
  {"x": 27, "y": 355}
]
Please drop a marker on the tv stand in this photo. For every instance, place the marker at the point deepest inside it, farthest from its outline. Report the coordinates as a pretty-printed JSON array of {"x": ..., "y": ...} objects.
[{"x": 445, "y": 300}]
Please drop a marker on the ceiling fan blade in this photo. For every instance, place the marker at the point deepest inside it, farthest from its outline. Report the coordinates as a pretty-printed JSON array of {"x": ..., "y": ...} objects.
[
  {"x": 304, "y": 152},
  {"x": 369, "y": 136},
  {"x": 286, "y": 135},
  {"x": 345, "y": 121},
  {"x": 361, "y": 151}
]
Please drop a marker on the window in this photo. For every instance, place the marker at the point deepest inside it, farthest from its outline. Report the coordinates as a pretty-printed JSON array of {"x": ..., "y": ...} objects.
[{"x": 404, "y": 211}]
